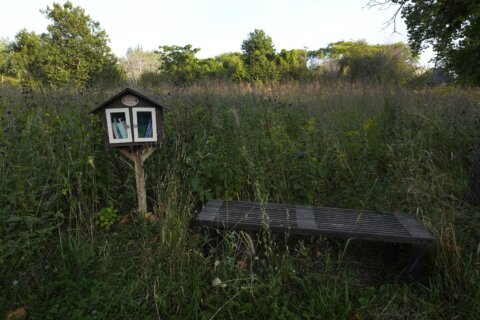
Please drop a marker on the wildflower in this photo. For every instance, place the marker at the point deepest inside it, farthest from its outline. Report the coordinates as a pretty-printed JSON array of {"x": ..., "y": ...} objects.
[{"x": 216, "y": 282}]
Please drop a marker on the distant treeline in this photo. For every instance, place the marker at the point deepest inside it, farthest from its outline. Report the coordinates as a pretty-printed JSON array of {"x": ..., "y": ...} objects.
[
  {"x": 260, "y": 62},
  {"x": 74, "y": 52}
]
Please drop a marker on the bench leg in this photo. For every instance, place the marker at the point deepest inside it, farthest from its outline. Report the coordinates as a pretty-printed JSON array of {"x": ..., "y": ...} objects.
[
  {"x": 415, "y": 263},
  {"x": 393, "y": 254}
]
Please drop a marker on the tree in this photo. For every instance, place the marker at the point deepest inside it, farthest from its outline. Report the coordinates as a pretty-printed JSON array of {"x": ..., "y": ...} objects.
[
  {"x": 26, "y": 58},
  {"x": 209, "y": 68},
  {"x": 292, "y": 64},
  {"x": 359, "y": 60},
  {"x": 138, "y": 62},
  {"x": 179, "y": 64},
  {"x": 258, "y": 43},
  {"x": 73, "y": 51},
  {"x": 233, "y": 67},
  {"x": 4, "y": 52},
  {"x": 259, "y": 56},
  {"x": 77, "y": 50},
  {"x": 451, "y": 27}
]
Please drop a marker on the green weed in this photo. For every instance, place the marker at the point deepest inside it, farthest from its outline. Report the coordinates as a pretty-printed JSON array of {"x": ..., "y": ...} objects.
[
  {"x": 106, "y": 217},
  {"x": 316, "y": 143}
]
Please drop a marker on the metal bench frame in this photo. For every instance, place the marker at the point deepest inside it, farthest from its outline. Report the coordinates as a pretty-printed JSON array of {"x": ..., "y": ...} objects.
[{"x": 331, "y": 222}]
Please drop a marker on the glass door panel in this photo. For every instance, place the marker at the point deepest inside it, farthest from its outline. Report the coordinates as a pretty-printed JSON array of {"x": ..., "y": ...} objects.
[
  {"x": 144, "y": 124},
  {"x": 118, "y": 123}
]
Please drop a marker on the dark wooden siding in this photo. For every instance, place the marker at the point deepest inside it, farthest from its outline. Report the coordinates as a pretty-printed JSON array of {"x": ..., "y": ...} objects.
[{"x": 117, "y": 103}]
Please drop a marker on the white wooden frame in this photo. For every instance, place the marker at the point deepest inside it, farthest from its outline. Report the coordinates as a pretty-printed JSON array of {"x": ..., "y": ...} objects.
[
  {"x": 108, "y": 115},
  {"x": 135, "y": 125}
]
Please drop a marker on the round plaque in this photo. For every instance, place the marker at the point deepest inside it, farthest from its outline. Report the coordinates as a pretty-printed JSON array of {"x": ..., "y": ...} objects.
[{"x": 129, "y": 101}]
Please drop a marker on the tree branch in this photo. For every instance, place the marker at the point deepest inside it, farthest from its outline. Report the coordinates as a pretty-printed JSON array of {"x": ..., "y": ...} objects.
[{"x": 385, "y": 5}]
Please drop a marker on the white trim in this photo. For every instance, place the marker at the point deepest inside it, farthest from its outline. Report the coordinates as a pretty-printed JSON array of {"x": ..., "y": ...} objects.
[
  {"x": 135, "y": 125},
  {"x": 108, "y": 115}
]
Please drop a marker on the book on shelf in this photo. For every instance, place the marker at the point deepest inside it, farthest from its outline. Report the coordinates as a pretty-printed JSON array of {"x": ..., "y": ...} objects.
[
  {"x": 123, "y": 129},
  {"x": 119, "y": 129},
  {"x": 148, "y": 131},
  {"x": 114, "y": 130},
  {"x": 142, "y": 129}
]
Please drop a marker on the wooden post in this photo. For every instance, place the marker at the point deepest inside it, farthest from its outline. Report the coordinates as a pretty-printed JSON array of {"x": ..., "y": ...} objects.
[
  {"x": 138, "y": 158},
  {"x": 140, "y": 181}
]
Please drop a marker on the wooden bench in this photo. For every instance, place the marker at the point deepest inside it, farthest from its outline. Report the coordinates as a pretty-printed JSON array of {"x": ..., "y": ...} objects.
[{"x": 333, "y": 222}]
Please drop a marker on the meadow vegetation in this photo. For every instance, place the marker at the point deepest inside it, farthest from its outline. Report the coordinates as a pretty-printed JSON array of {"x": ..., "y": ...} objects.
[
  {"x": 352, "y": 125},
  {"x": 331, "y": 143}
]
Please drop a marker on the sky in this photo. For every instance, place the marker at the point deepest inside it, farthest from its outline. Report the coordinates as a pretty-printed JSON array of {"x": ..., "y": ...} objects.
[{"x": 218, "y": 26}]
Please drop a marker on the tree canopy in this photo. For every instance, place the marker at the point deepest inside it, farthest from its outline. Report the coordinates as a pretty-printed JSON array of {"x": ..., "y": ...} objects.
[
  {"x": 382, "y": 63},
  {"x": 77, "y": 46},
  {"x": 3, "y": 55},
  {"x": 292, "y": 64},
  {"x": 232, "y": 66},
  {"x": 259, "y": 62},
  {"x": 74, "y": 51},
  {"x": 26, "y": 57},
  {"x": 259, "y": 56},
  {"x": 138, "y": 62},
  {"x": 179, "y": 63},
  {"x": 450, "y": 27}
]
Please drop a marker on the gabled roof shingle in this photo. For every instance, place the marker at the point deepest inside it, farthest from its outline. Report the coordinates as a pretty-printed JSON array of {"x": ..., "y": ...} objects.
[{"x": 132, "y": 92}]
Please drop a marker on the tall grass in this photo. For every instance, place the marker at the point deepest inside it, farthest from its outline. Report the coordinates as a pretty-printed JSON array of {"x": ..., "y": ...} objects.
[{"x": 332, "y": 144}]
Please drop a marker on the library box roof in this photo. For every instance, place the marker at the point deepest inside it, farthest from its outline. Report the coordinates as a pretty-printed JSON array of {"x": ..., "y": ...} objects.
[{"x": 131, "y": 119}]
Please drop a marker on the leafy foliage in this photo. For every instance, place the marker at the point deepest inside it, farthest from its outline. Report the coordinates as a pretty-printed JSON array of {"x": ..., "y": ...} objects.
[
  {"x": 77, "y": 48},
  {"x": 3, "y": 56},
  {"x": 259, "y": 62},
  {"x": 58, "y": 58},
  {"x": 74, "y": 51},
  {"x": 292, "y": 64},
  {"x": 27, "y": 57},
  {"x": 107, "y": 217},
  {"x": 376, "y": 63},
  {"x": 333, "y": 144},
  {"x": 258, "y": 43},
  {"x": 138, "y": 62},
  {"x": 179, "y": 63},
  {"x": 232, "y": 66},
  {"x": 450, "y": 27},
  {"x": 259, "y": 56}
]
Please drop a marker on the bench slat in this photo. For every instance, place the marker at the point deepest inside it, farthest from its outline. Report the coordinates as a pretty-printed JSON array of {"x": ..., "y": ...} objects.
[{"x": 337, "y": 222}]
